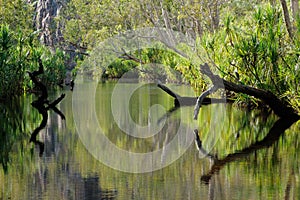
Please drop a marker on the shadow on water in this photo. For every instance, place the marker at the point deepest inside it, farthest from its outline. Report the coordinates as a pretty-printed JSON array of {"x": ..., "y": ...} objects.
[
  {"x": 90, "y": 189},
  {"x": 13, "y": 119},
  {"x": 43, "y": 109},
  {"x": 16, "y": 118}
]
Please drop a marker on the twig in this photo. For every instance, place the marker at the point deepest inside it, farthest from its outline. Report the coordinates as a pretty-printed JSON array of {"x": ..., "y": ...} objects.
[{"x": 201, "y": 98}]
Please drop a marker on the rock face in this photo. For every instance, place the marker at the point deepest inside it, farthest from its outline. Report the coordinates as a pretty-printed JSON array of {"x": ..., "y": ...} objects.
[{"x": 50, "y": 30}]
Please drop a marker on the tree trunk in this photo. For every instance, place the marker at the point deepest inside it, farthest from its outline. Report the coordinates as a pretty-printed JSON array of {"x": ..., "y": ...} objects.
[
  {"x": 272, "y": 2},
  {"x": 295, "y": 9},
  {"x": 287, "y": 18},
  {"x": 51, "y": 30},
  {"x": 214, "y": 14}
]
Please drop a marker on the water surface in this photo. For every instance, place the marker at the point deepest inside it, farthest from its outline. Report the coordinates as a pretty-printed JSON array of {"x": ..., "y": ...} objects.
[{"x": 245, "y": 168}]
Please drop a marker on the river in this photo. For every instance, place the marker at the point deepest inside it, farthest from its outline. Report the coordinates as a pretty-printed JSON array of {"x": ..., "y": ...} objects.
[{"x": 98, "y": 151}]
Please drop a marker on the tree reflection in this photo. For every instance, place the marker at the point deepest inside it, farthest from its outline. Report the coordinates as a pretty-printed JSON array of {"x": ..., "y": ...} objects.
[
  {"x": 42, "y": 105},
  {"x": 252, "y": 133},
  {"x": 273, "y": 135},
  {"x": 12, "y": 128}
]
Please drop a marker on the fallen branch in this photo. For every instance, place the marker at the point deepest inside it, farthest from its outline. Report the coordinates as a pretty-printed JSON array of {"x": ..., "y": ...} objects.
[
  {"x": 280, "y": 108},
  {"x": 190, "y": 101},
  {"x": 201, "y": 99},
  {"x": 167, "y": 90}
]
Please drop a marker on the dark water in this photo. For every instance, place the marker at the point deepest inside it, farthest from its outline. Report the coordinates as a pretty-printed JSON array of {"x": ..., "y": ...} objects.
[{"x": 252, "y": 156}]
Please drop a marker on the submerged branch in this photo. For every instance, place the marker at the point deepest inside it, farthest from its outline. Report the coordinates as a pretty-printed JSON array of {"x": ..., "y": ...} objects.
[
  {"x": 201, "y": 150},
  {"x": 167, "y": 114}
]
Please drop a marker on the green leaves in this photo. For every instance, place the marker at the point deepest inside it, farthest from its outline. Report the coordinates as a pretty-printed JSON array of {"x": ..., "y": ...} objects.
[
  {"x": 18, "y": 54},
  {"x": 4, "y": 37},
  {"x": 258, "y": 47}
]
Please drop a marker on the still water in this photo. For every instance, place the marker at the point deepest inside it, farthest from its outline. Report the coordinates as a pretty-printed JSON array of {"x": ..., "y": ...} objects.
[{"x": 251, "y": 155}]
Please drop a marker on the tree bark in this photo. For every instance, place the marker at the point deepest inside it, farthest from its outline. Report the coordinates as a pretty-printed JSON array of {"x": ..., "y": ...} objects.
[
  {"x": 214, "y": 14},
  {"x": 46, "y": 11},
  {"x": 272, "y": 2}
]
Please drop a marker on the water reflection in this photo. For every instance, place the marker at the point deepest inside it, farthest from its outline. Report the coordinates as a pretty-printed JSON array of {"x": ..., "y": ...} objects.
[
  {"x": 42, "y": 104},
  {"x": 261, "y": 163},
  {"x": 279, "y": 127},
  {"x": 12, "y": 127}
]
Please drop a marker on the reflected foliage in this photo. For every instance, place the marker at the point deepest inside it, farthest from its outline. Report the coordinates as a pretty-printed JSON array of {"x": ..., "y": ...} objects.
[
  {"x": 266, "y": 169},
  {"x": 67, "y": 170},
  {"x": 12, "y": 127},
  {"x": 277, "y": 130}
]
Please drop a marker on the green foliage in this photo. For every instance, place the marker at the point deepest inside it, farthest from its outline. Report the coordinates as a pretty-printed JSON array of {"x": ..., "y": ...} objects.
[
  {"x": 88, "y": 23},
  {"x": 11, "y": 61},
  {"x": 13, "y": 127},
  {"x": 55, "y": 70},
  {"x": 118, "y": 68},
  {"x": 255, "y": 50},
  {"x": 246, "y": 40},
  {"x": 150, "y": 64},
  {"x": 18, "y": 14},
  {"x": 18, "y": 54}
]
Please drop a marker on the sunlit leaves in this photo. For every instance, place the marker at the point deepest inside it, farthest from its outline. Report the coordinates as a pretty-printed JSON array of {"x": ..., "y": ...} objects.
[{"x": 258, "y": 48}]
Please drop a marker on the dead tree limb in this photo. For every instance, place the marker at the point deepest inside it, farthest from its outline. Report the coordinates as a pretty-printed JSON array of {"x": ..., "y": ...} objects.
[
  {"x": 280, "y": 107},
  {"x": 201, "y": 98},
  {"x": 190, "y": 101},
  {"x": 167, "y": 90}
]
